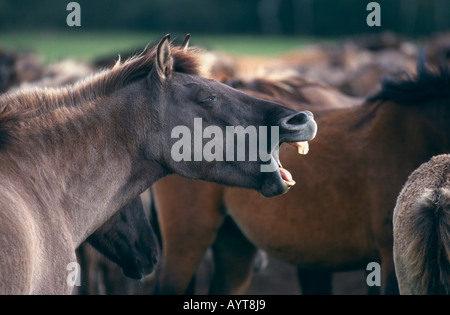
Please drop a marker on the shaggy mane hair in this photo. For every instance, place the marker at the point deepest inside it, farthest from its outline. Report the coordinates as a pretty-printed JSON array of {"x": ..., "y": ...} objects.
[
  {"x": 32, "y": 102},
  {"x": 426, "y": 85}
]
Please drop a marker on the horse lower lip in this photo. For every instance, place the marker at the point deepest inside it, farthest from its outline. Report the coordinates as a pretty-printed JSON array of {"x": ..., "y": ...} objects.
[{"x": 287, "y": 177}]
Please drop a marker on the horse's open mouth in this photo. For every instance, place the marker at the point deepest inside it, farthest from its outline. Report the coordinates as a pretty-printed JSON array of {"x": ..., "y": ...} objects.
[{"x": 302, "y": 148}]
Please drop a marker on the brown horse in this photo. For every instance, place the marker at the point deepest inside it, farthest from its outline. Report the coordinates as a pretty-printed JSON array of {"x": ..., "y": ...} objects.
[
  {"x": 288, "y": 86},
  {"x": 292, "y": 89},
  {"x": 16, "y": 68},
  {"x": 422, "y": 230},
  {"x": 102, "y": 142},
  {"x": 340, "y": 217}
]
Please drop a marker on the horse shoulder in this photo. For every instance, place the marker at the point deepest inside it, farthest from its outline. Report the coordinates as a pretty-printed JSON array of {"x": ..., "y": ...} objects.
[{"x": 31, "y": 252}]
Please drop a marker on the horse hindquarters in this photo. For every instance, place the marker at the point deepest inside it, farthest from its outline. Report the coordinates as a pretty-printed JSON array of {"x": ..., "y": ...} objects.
[{"x": 422, "y": 244}]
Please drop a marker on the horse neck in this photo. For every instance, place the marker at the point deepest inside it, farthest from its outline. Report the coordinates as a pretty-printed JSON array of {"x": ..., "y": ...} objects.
[
  {"x": 86, "y": 164},
  {"x": 437, "y": 113},
  {"x": 426, "y": 124}
]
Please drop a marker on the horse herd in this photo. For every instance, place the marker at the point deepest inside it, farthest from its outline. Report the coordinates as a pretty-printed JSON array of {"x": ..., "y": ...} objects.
[{"x": 77, "y": 161}]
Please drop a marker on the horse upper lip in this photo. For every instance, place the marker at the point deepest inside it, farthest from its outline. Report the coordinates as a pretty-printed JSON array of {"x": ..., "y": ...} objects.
[
  {"x": 306, "y": 135},
  {"x": 304, "y": 132},
  {"x": 296, "y": 121}
]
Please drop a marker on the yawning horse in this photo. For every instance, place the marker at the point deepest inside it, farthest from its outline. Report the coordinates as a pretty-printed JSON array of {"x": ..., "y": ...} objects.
[
  {"x": 102, "y": 142},
  {"x": 340, "y": 217}
]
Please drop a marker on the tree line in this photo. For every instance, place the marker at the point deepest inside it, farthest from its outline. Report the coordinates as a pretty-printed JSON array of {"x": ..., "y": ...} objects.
[{"x": 278, "y": 17}]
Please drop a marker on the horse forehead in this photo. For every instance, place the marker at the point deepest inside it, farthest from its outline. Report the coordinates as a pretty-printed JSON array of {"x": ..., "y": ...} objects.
[
  {"x": 195, "y": 81},
  {"x": 188, "y": 83}
]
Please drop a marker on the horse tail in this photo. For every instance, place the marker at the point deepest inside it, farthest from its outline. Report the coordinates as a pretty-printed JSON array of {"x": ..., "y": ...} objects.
[{"x": 428, "y": 253}]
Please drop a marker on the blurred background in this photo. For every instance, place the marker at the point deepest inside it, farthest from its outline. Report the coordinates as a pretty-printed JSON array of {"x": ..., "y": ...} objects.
[
  {"x": 233, "y": 25},
  {"x": 281, "y": 17}
]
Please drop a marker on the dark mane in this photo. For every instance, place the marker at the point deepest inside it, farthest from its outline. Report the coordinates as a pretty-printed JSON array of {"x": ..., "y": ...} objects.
[
  {"x": 429, "y": 83},
  {"x": 32, "y": 102}
]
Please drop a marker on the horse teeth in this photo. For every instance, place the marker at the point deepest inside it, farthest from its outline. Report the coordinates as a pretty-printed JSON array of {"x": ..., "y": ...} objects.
[
  {"x": 302, "y": 147},
  {"x": 290, "y": 183}
]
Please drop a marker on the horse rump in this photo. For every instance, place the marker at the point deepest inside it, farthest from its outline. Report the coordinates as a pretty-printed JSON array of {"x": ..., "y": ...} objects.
[{"x": 422, "y": 234}]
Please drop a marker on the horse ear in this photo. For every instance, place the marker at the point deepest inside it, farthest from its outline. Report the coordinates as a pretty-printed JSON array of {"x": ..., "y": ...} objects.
[
  {"x": 185, "y": 43},
  {"x": 164, "y": 59}
]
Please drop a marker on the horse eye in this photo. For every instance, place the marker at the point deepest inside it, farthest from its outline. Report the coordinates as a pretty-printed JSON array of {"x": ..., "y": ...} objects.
[{"x": 208, "y": 100}]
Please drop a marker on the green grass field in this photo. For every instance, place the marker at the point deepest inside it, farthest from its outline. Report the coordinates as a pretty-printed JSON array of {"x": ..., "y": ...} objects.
[{"x": 86, "y": 45}]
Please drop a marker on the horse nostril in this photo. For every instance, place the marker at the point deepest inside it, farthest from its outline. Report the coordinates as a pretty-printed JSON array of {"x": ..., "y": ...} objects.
[{"x": 294, "y": 122}]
